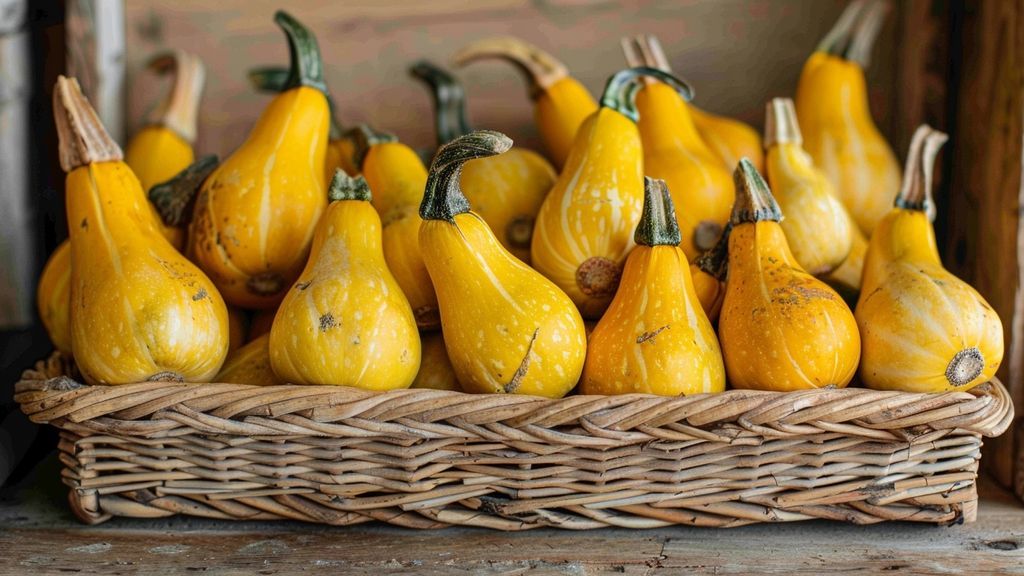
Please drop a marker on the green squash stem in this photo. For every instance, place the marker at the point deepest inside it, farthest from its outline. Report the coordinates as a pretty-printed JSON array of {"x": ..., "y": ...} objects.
[
  {"x": 449, "y": 100},
  {"x": 715, "y": 261},
  {"x": 273, "y": 78},
  {"x": 345, "y": 187},
  {"x": 620, "y": 91},
  {"x": 363, "y": 138},
  {"x": 443, "y": 198},
  {"x": 306, "y": 68},
  {"x": 175, "y": 198},
  {"x": 754, "y": 201},
  {"x": 658, "y": 225}
]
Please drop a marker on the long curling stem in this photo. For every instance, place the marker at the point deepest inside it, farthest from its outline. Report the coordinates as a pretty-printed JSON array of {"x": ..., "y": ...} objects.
[
  {"x": 443, "y": 198},
  {"x": 916, "y": 192}
]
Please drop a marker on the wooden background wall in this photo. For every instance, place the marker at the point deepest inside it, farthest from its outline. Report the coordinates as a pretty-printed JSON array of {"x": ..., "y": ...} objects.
[{"x": 736, "y": 53}]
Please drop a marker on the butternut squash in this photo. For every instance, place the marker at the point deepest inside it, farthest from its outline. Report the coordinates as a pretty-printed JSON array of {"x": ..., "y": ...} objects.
[
  {"x": 340, "y": 148},
  {"x": 53, "y": 297},
  {"x": 584, "y": 229},
  {"x": 817, "y": 226},
  {"x": 560, "y": 102},
  {"x": 505, "y": 190},
  {"x": 838, "y": 131},
  {"x": 397, "y": 176},
  {"x": 250, "y": 364},
  {"x": 139, "y": 309},
  {"x": 255, "y": 215},
  {"x": 781, "y": 329},
  {"x": 674, "y": 151},
  {"x": 655, "y": 337},
  {"x": 346, "y": 321},
  {"x": 924, "y": 329},
  {"x": 507, "y": 329},
  {"x": 436, "y": 370}
]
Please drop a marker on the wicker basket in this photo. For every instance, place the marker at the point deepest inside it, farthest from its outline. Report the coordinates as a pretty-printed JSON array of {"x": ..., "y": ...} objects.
[{"x": 428, "y": 459}]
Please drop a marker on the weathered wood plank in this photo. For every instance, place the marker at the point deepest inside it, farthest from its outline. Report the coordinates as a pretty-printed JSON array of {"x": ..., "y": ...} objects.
[{"x": 96, "y": 56}]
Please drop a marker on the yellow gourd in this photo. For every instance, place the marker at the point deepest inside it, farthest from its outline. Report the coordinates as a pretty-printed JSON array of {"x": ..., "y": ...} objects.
[
  {"x": 397, "y": 177},
  {"x": 708, "y": 273},
  {"x": 728, "y": 138},
  {"x": 255, "y": 215},
  {"x": 584, "y": 229},
  {"x": 340, "y": 148},
  {"x": 250, "y": 364},
  {"x": 655, "y": 337},
  {"x": 701, "y": 186},
  {"x": 847, "y": 276},
  {"x": 781, "y": 328},
  {"x": 924, "y": 329},
  {"x": 346, "y": 321},
  {"x": 817, "y": 226},
  {"x": 436, "y": 370},
  {"x": 505, "y": 190},
  {"x": 53, "y": 297},
  {"x": 139, "y": 309},
  {"x": 560, "y": 102},
  {"x": 507, "y": 329},
  {"x": 838, "y": 131}
]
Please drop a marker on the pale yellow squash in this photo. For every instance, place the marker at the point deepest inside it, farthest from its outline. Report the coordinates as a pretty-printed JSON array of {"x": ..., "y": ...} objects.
[
  {"x": 436, "y": 370},
  {"x": 250, "y": 364}
]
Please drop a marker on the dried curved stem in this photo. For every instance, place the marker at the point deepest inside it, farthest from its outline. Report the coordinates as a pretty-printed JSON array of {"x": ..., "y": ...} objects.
[
  {"x": 863, "y": 39},
  {"x": 916, "y": 193},
  {"x": 83, "y": 139},
  {"x": 838, "y": 38},
  {"x": 179, "y": 111},
  {"x": 541, "y": 69},
  {"x": 175, "y": 198},
  {"x": 781, "y": 126},
  {"x": 620, "y": 91}
]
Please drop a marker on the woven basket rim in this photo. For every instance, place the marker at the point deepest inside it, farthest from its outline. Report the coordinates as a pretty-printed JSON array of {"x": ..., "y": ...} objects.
[{"x": 48, "y": 394}]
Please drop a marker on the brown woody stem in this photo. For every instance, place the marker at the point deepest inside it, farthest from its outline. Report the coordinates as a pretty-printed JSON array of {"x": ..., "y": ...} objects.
[
  {"x": 180, "y": 109},
  {"x": 916, "y": 193},
  {"x": 541, "y": 69},
  {"x": 83, "y": 139}
]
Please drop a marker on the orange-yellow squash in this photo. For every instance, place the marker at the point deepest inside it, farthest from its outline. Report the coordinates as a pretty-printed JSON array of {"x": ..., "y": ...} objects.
[
  {"x": 255, "y": 215},
  {"x": 340, "y": 148},
  {"x": 838, "y": 131},
  {"x": 250, "y": 364},
  {"x": 436, "y": 370},
  {"x": 53, "y": 297},
  {"x": 923, "y": 329},
  {"x": 708, "y": 274},
  {"x": 507, "y": 329},
  {"x": 505, "y": 190},
  {"x": 346, "y": 321},
  {"x": 139, "y": 309},
  {"x": 397, "y": 177},
  {"x": 560, "y": 102},
  {"x": 817, "y": 226},
  {"x": 781, "y": 328},
  {"x": 655, "y": 337},
  {"x": 584, "y": 229}
]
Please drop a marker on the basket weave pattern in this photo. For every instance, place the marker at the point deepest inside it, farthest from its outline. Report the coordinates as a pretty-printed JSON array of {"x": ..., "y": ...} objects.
[{"x": 428, "y": 459}]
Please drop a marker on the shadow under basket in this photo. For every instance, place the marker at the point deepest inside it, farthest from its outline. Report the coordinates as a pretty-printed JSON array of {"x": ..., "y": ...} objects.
[{"x": 429, "y": 459}]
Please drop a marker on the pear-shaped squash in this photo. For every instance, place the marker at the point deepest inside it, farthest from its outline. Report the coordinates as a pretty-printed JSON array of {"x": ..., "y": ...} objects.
[
  {"x": 507, "y": 329},
  {"x": 655, "y": 337},
  {"x": 505, "y": 190},
  {"x": 139, "y": 309},
  {"x": 584, "y": 229},
  {"x": 708, "y": 272},
  {"x": 250, "y": 364},
  {"x": 340, "y": 148},
  {"x": 728, "y": 138},
  {"x": 838, "y": 131},
  {"x": 346, "y": 321},
  {"x": 817, "y": 226},
  {"x": 255, "y": 215},
  {"x": 781, "y": 328},
  {"x": 436, "y": 370},
  {"x": 397, "y": 177},
  {"x": 701, "y": 185},
  {"x": 560, "y": 102},
  {"x": 923, "y": 329},
  {"x": 53, "y": 297}
]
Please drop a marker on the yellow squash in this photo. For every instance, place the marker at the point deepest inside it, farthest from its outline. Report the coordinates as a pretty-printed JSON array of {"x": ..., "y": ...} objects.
[
  {"x": 708, "y": 273},
  {"x": 507, "y": 329},
  {"x": 584, "y": 229},
  {"x": 817, "y": 226},
  {"x": 436, "y": 370},
  {"x": 655, "y": 337},
  {"x": 340, "y": 148},
  {"x": 255, "y": 215},
  {"x": 728, "y": 138},
  {"x": 847, "y": 276},
  {"x": 397, "y": 177},
  {"x": 139, "y": 309},
  {"x": 781, "y": 328},
  {"x": 505, "y": 190},
  {"x": 838, "y": 131},
  {"x": 701, "y": 186},
  {"x": 53, "y": 297},
  {"x": 560, "y": 102},
  {"x": 250, "y": 364},
  {"x": 346, "y": 321},
  {"x": 924, "y": 329}
]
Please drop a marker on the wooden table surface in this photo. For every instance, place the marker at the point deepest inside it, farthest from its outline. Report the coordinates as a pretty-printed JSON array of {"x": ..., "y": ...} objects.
[{"x": 38, "y": 536}]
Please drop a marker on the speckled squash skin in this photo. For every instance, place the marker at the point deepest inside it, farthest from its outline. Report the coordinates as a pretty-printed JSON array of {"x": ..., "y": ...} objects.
[{"x": 249, "y": 364}]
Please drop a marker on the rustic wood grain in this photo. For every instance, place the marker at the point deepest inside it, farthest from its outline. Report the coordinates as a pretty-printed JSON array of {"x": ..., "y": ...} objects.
[{"x": 986, "y": 236}]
